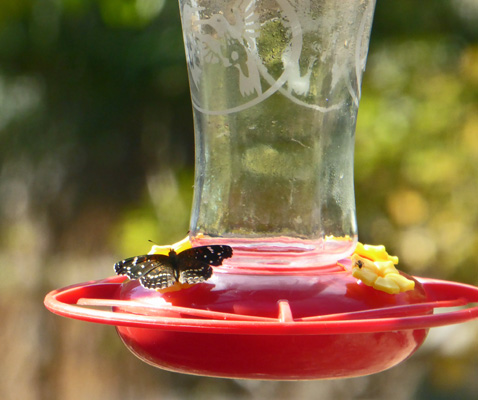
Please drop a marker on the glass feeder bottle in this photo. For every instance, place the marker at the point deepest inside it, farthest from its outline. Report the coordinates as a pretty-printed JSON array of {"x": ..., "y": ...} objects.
[{"x": 275, "y": 87}]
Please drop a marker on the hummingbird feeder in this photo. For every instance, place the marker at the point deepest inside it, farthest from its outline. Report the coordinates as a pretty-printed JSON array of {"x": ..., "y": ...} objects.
[{"x": 275, "y": 87}]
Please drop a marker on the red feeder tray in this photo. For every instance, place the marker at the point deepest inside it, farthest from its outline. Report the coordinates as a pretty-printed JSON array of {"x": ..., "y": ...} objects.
[{"x": 282, "y": 327}]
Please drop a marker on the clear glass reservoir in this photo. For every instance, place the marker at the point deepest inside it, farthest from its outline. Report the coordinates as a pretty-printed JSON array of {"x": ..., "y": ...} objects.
[{"x": 275, "y": 87}]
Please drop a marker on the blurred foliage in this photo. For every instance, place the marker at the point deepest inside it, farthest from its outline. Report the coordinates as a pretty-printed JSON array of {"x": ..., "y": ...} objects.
[
  {"x": 417, "y": 140},
  {"x": 97, "y": 156},
  {"x": 94, "y": 100}
]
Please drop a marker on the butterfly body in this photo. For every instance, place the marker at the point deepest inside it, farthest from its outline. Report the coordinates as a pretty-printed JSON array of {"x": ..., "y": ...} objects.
[{"x": 159, "y": 271}]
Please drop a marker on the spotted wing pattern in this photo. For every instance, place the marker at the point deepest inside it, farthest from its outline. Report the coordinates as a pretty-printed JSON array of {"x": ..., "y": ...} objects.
[
  {"x": 194, "y": 265},
  {"x": 160, "y": 277},
  {"x": 195, "y": 272},
  {"x": 154, "y": 271},
  {"x": 212, "y": 255},
  {"x": 157, "y": 271}
]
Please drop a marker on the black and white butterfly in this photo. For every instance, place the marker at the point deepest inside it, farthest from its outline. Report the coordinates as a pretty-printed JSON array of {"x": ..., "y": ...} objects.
[{"x": 158, "y": 271}]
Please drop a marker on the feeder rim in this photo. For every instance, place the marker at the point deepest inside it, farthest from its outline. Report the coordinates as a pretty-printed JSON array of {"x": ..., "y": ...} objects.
[{"x": 77, "y": 302}]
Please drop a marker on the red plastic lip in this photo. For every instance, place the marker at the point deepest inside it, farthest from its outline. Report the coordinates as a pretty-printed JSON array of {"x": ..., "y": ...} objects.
[{"x": 76, "y": 301}]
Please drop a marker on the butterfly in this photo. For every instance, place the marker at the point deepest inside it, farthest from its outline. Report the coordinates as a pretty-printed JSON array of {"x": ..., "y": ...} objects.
[{"x": 158, "y": 271}]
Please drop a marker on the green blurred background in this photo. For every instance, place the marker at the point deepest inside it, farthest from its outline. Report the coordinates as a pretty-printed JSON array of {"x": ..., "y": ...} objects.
[{"x": 96, "y": 158}]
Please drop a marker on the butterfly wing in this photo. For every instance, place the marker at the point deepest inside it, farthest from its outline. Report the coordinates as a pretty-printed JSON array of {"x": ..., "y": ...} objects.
[
  {"x": 212, "y": 255},
  {"x": 194, "y": 272},
  {"x": 160, "y": 277},
  {"x": 194, "y": 265},
  {"x": 154, "y": 271}
]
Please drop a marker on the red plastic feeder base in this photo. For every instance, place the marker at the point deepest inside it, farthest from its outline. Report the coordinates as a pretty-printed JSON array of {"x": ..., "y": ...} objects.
[{"x": 277, "y": 327}]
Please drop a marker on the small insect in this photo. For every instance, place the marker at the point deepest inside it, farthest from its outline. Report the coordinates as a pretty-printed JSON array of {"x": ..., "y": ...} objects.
[
  {"x": 358, "y": 263},
  {"x": 158, "y": 271}
]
